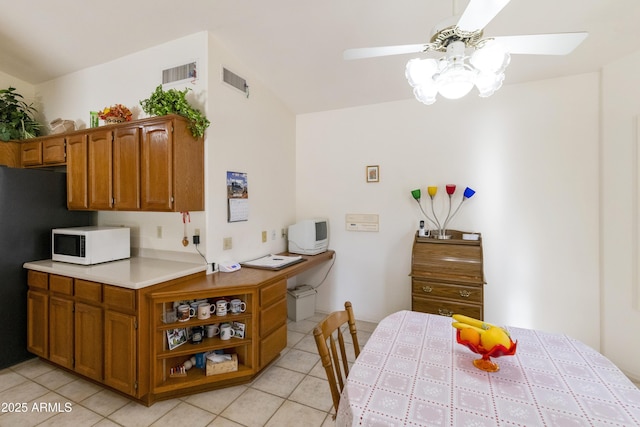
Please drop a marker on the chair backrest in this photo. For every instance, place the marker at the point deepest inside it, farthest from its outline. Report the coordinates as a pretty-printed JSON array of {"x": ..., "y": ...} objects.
[{"x": 331, "y": 347}]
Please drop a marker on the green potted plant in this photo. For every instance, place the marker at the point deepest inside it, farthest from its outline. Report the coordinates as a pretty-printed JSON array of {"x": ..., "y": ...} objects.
[
  {"x": 16, "y": 117},
  {"x": 174, "y": 101}
]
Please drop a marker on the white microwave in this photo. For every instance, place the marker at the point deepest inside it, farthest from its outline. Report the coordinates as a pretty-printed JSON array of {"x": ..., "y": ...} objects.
[{"x": 90, "y": 245}]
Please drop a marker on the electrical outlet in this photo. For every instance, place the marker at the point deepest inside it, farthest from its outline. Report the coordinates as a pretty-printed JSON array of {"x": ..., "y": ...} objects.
[
  {"x": 264, "y": 236},
  {"x": 227, "y": 243},
  {"x": 273, "y": 234},
  {"x": 196, "y": 232},
  {"x": 159, "y": 232}
]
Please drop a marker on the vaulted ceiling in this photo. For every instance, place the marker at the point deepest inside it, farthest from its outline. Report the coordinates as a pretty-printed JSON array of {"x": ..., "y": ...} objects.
[{"x": 295, "y": 46}]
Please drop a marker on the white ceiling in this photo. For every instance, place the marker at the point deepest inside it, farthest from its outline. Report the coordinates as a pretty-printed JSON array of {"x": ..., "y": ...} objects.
[{"x": 295, "y": 46}]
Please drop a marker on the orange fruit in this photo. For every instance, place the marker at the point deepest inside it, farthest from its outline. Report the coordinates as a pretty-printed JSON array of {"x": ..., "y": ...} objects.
[
  {"x": 493, "y": 337},
  {"x": 470, "y": 335}
]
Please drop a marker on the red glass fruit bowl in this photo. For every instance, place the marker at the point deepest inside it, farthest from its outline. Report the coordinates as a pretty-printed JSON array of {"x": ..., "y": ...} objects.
[{"x": 485, "y": 363}]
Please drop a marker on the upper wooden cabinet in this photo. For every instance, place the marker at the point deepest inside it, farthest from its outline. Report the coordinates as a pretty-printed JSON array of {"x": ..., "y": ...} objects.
[
  {"x": 45, "y": 151},
  {"x": 152, "y": 164}
]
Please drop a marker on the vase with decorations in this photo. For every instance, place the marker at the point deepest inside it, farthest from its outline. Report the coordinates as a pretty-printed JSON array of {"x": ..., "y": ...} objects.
[{"x": 117, "y": 113}]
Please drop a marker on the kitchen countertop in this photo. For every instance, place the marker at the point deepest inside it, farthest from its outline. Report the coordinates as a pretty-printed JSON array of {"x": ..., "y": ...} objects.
[{"x": 132, "y": 273}]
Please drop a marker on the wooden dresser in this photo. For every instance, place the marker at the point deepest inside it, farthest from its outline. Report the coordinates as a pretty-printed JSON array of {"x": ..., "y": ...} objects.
[{"x": 447, "y": 276}]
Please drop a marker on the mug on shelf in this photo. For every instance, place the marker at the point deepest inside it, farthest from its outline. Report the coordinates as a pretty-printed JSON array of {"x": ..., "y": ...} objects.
[
  {"x": 184, "y": 312},
  {"x": 226, "y": 331},
  {"x": 237, "y": 306},
  {"x": 205, "y": 310},
  {"x": 222, "y": 306},
  {"x": 212, "y": 330},
  {"x": 196, "y": 304},
  {"x": 196, "y": 334}
]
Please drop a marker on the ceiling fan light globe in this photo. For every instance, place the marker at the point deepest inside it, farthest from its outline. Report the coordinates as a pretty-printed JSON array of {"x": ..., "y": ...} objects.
[
  {"x": 492, "y": 57},
  {"x": 426, "y": 93},
  {"x": 487, "y": 83},
  {"x": 420, "y": 71},
  {"x": 456, "y": 82}
]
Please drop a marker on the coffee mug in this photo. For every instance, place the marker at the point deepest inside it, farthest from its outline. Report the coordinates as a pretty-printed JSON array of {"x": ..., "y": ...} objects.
[
  {"x": 196, "y": 334},
  {"x": 205, "y": 310},
  {"x": 237, "y": 306},
  {"x": 212, "y": 330},
  {"x": 222, "y": 305},
  {"x": 184, "y": 312},
  {"x": 226, "y": 332}
]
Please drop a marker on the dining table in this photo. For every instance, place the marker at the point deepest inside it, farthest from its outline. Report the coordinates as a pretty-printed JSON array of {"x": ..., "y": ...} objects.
[{"x": 413, "y": 372}]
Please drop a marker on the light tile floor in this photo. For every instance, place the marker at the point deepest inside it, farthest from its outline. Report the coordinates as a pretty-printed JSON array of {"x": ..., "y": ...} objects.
[{"x": 292, "y": 391}]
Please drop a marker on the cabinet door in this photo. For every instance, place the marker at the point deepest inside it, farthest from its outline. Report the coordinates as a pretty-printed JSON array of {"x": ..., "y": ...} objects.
[
  {"x": 77, "y": 172},
  {"x": 126, "y": 168},
  {"x": 53, "y": 151},
  {"x": 88, "y": 340},
  {"x": 37, "y": 323},
  {"x": 31, "y": 153},
  {"x": 157, "y": 167},
  {"x": 61, "y": 331},
  {"x": 120, "y": 351},
  {"x": 101, "y": 170}
]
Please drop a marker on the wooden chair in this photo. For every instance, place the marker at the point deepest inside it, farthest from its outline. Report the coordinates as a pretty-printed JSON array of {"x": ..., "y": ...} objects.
[{"x": 334, "y": 357}]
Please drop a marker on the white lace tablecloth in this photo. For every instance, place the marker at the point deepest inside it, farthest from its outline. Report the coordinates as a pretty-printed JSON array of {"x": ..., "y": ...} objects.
[{"x": 412, "y": 372}]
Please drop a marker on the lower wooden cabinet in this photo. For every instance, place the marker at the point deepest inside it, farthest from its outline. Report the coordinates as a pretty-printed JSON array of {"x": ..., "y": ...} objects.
[
  {"x": 38, "y": 323},
  {"x": 120, "y": 337},
  {"x": 120, "y": 365},
  {"x": 61, "y": 331},
  {"x": 76, "y": 324},
  {"x": 273, "y": 321},
  {"x": 88, "y": 340}
]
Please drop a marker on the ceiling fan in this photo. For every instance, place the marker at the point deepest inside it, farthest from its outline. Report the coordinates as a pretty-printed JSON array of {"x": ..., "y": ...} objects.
[{"x": 456, "y": 73}]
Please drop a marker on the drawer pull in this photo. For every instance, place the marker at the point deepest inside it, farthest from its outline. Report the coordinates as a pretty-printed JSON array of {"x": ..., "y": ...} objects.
[
  {"x": 427, "y": 289},
  {"x": 445, "y": 312},
  {"x": 465, "y": 293}
]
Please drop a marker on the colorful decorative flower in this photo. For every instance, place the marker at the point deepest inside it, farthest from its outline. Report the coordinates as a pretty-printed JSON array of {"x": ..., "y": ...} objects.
[
  {"x": 441, "y": 227},
  {"x": 116, "y": 111}
]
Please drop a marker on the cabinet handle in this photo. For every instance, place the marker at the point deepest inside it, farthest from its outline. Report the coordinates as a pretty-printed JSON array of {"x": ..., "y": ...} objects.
[
  {"x": 427, "y": 289},
  {"x": 465, "y": 293},
  {"x": 445, "y": 312}
]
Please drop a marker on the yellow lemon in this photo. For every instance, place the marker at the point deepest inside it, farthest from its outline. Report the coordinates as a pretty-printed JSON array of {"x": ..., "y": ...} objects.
[{"x": 494, "y": 336}]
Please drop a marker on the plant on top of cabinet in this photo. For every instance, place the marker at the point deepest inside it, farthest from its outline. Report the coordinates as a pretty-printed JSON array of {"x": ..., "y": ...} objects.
[
  {"x": 174, "y": 101},
  {"x": 16, "y": 116}
]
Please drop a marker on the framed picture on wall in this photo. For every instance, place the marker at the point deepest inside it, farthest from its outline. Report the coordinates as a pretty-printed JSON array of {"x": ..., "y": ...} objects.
[{"x": 373, "y": 173}]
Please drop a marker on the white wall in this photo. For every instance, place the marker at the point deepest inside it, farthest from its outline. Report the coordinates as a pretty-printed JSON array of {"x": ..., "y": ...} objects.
[
  {"x": 254, "y": 135},
  {"x": 620, "y": 143},
  {"x": 530, "y": 152}
]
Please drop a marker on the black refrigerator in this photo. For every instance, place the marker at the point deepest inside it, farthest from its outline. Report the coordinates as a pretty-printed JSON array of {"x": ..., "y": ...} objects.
[{"x": 32, "y": 202}]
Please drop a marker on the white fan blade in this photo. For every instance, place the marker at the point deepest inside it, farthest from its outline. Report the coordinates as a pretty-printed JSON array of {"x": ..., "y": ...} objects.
[
  {"x": 479, "y": 13},
  {"x": 372, "y": 52},
  {"x": 542, "y": 44}
]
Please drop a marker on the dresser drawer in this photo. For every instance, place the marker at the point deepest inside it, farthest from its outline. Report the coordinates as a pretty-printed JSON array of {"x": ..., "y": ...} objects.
[
  {"x": 462, "y": 293},
  {"x": 271, "y": 293},
  {"x": 119, "y": 298},
  {"x": 61, "y": 284},
  {"x": 38, "y": 279},
  {"x": 446, "y": 308},
  {"x": 273, "y": 317},
  {"x": 90, "y": 291}
]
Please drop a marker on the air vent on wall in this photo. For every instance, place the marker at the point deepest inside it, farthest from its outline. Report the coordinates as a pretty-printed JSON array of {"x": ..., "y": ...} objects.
[
  {"x": 234, "y": 80},
  {"x": 181, "y": 72}
]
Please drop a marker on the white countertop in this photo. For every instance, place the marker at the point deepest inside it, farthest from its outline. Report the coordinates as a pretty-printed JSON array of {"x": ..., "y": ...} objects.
[{"x": 132, "y": 273}]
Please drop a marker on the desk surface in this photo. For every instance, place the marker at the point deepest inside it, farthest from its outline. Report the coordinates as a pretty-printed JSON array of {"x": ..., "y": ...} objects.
[{"x": 413, "y": 372}]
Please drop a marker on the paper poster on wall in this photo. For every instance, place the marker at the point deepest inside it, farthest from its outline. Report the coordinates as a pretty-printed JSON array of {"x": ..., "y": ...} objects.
[{"x": 237, "y": 197}]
